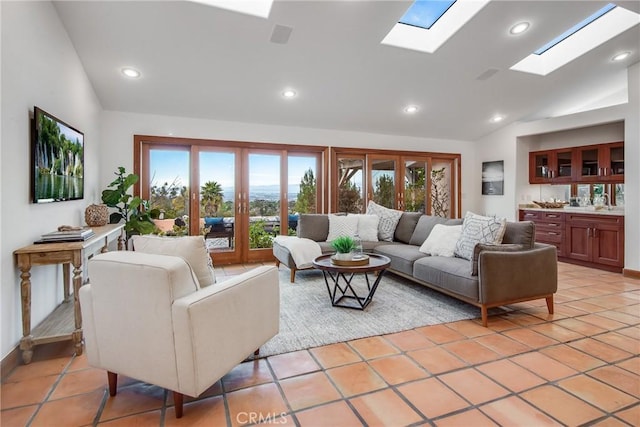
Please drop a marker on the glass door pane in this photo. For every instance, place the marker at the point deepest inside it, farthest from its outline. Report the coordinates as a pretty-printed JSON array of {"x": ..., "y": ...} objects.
[
  {"x": 415, "y": 186},
  {"x": 264, "y": 196},
  {"x": 302, "y": 191},
  {"x": 169, "y": 189},
  {"x": 383, "y": 183},
  {"x": 217, "y": 199},
  {"x": 350, "y": 185},
  {"x": 440, "y": 188}
]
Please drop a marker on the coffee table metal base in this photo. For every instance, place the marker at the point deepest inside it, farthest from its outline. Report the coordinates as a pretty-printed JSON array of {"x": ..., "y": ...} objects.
[{"x": 344, "y": 295}]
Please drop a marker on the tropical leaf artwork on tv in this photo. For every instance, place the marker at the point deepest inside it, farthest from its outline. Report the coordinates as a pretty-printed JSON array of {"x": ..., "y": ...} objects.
[{"x": 58, "y": 160}]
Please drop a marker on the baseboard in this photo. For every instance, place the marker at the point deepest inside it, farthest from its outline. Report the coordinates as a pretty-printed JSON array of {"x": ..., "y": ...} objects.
[
  {"x": 634, "y": 274},
  {"x": 10, "y": 362}
]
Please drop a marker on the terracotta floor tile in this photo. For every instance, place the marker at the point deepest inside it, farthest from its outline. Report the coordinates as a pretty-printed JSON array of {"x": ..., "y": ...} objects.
[
  {"x": 585, "y": 306},
  {"x": 27, "y": 392},
  {"x": 630, "y": 309},
  {"x": 631, "y": 365},
  {"x": 258, "y": 401},
  {"x": 145, "y": 419},
  {"x": 440, "y": 334},
  {"x": 524, "y": 319},
  {"x": 309, "y": 390},
  {"x": 473, "y": 386},
  {"x": 385, "y": 408},
  {"x": 72, "y": 411},
  {"x": 603, "y": 322},
  {"x": 620, "y": 341},
  {"x": 432, "y": 398},
  {"x": 79, "y": 382},
  {"x": 470, "y": 418},
  {"x": 600, "y": 350},
  {"x": 597, "y": 393},
  {"x": 544, "y": 366},
  {"x": 618, "y": 378},
  {"x": 398, "y": 369},
  {"x": 625, "y": 318},
  {"x": 499, "y": 324},
  {"x": 202, "y": 413},
  {"x": 502, "y": 345},
  {"x": 333, "y": 355},
  {"x": 631, "y": 415},
  {"x": 290, "y": 364},
  {"x": 371, "y": 348},
  {"x": 436, "y": 360},
  {"x": 631, "y": 332},
  {"x": 584, "y": 328},
  {"x": 38, "y": 369},
  {"x": 355, "y": 379},
  {"x": 561, "y": 405},
  {"x": 568, "y": 311},
  {"x": 131, "y": 400},
  {"x": 470, "y": 328},
  {"x": 513, "y": 411},
  {"x": 530, "y": 338},
  {"x": 247, "y": 374},
  {"x": 557, "y": 332},
  {"x": 610, "y": 421},
  {"x": 572, "y": 357},
  {"x": 471, "y": 352},
  {"x": 409, "y": 340},
  {"x": 510, "y": 375},
  {"x": 18, "y": 416},
  {"x": 78, "y": 363},
  {"x": 330, "y": 415}
]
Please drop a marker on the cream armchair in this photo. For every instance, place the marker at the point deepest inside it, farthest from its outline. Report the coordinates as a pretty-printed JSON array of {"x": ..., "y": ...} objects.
[{"x": 145, "y": 317}]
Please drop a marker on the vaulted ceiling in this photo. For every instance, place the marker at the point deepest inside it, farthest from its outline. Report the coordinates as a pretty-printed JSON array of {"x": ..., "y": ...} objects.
[{"x": 205, "y": 62}]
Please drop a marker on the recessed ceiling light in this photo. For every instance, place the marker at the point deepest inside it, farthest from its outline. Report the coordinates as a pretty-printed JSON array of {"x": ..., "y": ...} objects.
[
  {"x": 131, "y": 72},
  {"x": 497, "y": 118},
  {"x": 411, "y": 109},
  {"x": 519, "y": 28},
  {"x": 289, "y": 93},
  {"x": 621, "y": 56}
]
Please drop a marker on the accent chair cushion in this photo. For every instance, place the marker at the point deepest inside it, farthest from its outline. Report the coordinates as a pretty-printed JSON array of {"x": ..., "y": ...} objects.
[
  {"x": 388, "y": 220},
  {"x": 342, "y": 226},
  {"x": 442, "y": 240},
  {"x": 479, "y": 229},
  {"x": 190, "y": 248}
]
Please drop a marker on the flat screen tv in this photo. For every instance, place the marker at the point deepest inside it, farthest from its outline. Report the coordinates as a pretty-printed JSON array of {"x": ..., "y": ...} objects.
[{"x": 57, "y": 153}]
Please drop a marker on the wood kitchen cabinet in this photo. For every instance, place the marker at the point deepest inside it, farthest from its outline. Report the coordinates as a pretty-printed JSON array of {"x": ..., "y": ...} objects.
[
  {"x": 596, "y": 240},
  {"x": 550, "y": 227},
  {"x": 551, "y": 166},
  {"x": 600, "y": 163}
]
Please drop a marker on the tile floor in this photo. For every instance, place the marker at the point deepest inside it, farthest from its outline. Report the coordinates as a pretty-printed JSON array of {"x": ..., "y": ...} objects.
[{"x": 580, "y": 366}]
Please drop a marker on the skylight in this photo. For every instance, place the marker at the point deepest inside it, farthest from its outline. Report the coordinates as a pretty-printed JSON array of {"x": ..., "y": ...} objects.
[
  {"x": 260, "y": 8},
  {"x": 425, "y": 13},
  {"x": 575, "y": 28},
  {"x": 588, "y": 34},
  {"x": 442, "y": 18}
]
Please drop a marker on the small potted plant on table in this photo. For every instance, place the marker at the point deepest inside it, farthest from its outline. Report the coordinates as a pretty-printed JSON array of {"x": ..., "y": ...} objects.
[{"x": 344, "y": 246}]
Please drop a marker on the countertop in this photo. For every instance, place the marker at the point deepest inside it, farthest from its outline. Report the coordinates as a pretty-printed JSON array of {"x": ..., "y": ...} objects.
[{"x": 614, "y": 211}]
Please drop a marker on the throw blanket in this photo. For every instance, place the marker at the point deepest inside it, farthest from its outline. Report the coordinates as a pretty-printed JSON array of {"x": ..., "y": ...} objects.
[{"x": 302, "y": 250}]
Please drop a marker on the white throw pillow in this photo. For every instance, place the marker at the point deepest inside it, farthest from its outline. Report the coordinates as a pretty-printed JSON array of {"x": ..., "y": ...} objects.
[
  {"x": 367, "y": 227},
  {"x": 442, "y": 240},
  {"x": 341, "y": 225},
  {"x": 479, "y": 229},
  {"x": 388, "y": 220},
  {"x": 190, "y": 248}
]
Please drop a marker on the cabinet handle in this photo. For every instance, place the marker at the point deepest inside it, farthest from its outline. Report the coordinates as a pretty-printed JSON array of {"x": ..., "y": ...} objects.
[
  {"x": 595, "y": 233},
  {"x": 599, "y": 171},
  {"x": 605, "y": 171},
  {"x": 552, "y": 233},
  {"x": 553, "y": 224},
  {"x": 552, "y": 216},
  {"x": 529, "y": 214},
  {"x": 588, "y": 232}
]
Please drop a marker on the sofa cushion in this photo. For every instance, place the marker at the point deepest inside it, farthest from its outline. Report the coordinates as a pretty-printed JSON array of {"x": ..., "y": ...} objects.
[
  {"x": 442, "y": 240},
  {"x": 192, "y": 249},
  {"x": 479, "y": 229},
  {"x": 424, "y": 227},
  {"x": 388, "y": 220},
  {"x": 367, "y": 227},
  {"x": 451, "y": 274},
  {"x": 402, "y": 256},
  {"x": 406, "y": 226},
  {"x": 522, "y": 233},
  {"x": 313, "y": 226},
  {"x": 509, "y": 247},
  {"x": 342, "y": 226}
]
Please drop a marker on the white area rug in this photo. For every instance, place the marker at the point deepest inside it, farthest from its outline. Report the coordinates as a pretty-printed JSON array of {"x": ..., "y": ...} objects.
[{"x": 307, "y": 318}]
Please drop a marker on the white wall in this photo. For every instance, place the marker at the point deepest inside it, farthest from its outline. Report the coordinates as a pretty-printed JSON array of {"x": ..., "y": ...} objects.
[
  {"x": 39, "y": 67},
  {"x": 118, "y": 129},
  {"x": 632, "y": 173}
]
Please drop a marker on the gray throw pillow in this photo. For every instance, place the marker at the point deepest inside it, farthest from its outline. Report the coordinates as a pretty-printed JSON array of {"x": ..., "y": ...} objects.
[
  {"x": 406, "y": 226},
  {"x": 313, "y": 226}
]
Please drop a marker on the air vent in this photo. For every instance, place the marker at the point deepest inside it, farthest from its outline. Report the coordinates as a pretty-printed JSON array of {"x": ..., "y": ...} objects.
[{"x": 281, "y": 34}]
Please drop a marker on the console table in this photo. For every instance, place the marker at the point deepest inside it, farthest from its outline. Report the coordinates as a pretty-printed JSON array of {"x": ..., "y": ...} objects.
[{"x": 66, "y": 320}]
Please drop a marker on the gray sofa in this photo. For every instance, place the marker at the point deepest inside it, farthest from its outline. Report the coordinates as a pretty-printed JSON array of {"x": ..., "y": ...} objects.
[{"x": 517, "y": 270}]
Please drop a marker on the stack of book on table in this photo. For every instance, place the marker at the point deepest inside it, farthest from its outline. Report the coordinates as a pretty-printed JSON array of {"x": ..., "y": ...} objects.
[{"x": 78, "y": 234}]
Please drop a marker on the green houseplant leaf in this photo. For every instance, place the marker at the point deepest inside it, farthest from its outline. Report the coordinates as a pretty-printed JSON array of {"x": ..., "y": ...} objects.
[{"x": 343, "y": 244}]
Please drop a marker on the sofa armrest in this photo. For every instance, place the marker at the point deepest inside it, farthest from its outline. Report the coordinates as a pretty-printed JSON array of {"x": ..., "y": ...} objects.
[
  {"x": 219, "y": 326},
  {"x": 510, "y": 276}
]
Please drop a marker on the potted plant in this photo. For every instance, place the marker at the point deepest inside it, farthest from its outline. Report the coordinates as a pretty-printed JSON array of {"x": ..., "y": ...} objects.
[
  {"x": 344, "y": 246},
  {"x": 135, "y": 212}
]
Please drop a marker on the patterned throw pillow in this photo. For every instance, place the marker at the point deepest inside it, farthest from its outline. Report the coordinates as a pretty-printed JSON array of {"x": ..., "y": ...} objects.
[
  {"x": 340, "y": 225},
  {"x": 479, "y": 229},
  {"x": 388, "y": 220}
]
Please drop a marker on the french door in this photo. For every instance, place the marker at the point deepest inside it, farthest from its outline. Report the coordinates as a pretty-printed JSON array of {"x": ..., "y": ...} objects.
[{"x": 237, "y": 196}]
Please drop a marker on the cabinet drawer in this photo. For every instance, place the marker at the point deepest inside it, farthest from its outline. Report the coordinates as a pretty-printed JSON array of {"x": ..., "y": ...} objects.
[
  {"x": 552, "y": 216},
  {"x": 530, "y": 215},
  {"x": 549, "y": 236},
  {"x": 616, "y": 220}
]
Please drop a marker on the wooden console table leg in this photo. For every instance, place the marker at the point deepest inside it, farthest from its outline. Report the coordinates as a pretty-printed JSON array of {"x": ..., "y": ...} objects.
[
  {"x": 26, "y": 343},
  {"x": 77, "y": 283},
  {"x": 66, "y": 281}
]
